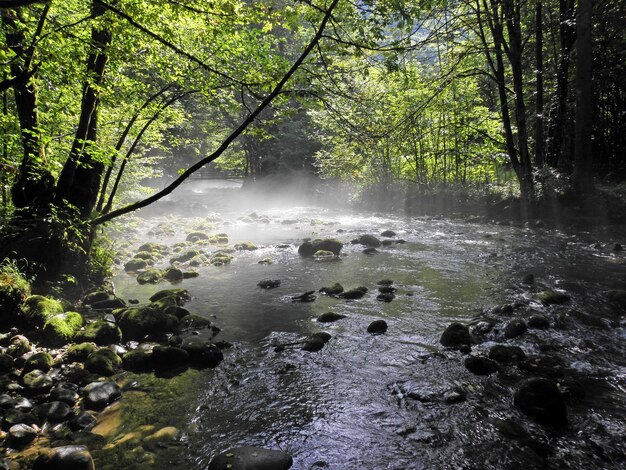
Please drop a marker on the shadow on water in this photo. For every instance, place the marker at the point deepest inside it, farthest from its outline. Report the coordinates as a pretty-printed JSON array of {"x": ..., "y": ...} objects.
[{"x": 374, "y": 402}]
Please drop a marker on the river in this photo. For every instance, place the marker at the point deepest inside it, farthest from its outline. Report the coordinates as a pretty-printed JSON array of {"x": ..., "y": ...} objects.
[{"x": 375, "y": 401}]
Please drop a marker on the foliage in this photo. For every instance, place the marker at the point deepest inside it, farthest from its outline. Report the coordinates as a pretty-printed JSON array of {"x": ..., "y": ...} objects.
[{"x": 14, "y": 289}]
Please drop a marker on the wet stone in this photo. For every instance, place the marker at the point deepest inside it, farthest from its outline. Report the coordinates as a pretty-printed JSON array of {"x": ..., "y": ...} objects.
[
  {"x": 21, "y": 403},
  {"x": 481, "y": 365},
  {"x": 456, "y": 336},
  {"x": 37, "y": 381},
  {"x": 98, "y": 395},
  {"x": 539, "y": 321},
  {"x": 251, "y": 458},
  {"x": 54, "y": 411},
  {"x": 313, "y": 344},
  {"x": 64, "y": 395},
  {"x": 6, "y": 363},
  {"x": 269, "y": 283},
  {"x": 65, "y": 458},
  {"x": 330, "y": 317},
  {"x": 541, "y": 399},
  {"x": 81, "y": 421},
  {"x": 506, "y": 354},
  {"x": 42, "y": 361},
  {"x": 388, "y": 233},
  {"x": 377, "y": 327},
  {"x": 551, "y": 297},
  {"x": 22, "y": 434},
  {"x": 354, "y": 294},
  {"x": 542, "y": 365},
  {"x": 335, "y": 289},
  {"x": 515, "y": 328},
  {"x": 169, "y": 357},
  {"x": 13, "y": 416},
  {"x": 385, "y": 297}
]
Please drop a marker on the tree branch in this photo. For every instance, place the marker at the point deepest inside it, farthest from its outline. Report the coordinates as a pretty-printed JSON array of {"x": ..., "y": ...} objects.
[{"x": 236, "y": 133}]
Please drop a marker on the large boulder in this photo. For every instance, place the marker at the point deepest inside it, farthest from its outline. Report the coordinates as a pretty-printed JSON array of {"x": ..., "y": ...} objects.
[
  {"x": 60, "y": 329},
  {"x": 100, "y": 332},
  {"x": 37, "y": 309},
  {"x": 138, "y": 322},
  {"x": 251, "y": 458},
  {"x": 541, "y": 399},
  {"x": 456, "y": 336}
]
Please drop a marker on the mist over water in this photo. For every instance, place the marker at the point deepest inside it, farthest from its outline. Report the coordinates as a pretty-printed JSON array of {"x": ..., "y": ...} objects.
[{"x": 374, "y": 402}]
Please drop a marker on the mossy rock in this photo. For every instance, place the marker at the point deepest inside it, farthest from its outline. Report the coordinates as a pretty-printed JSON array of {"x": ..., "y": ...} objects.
[
  {"x": 323, "y": 255},
  {"x": 309, "y": 249},
  {"x": 195, "y": 321},
  {"x": 335, "y": 289},
  {"x": 182, "y": 294},
  {"x": 40, "y": 361},
  {"x": 37, "y": 309},
  {"x": 218, "y": 239},
  {"x": 550, "y": 297},
  {"x": 104, "y": 362},
  {"x": 186, "y": 256},
  {"x": 152, "y": 247},
  {"x": 137, "y": 360},
  {"x": 147, "y": 256},
  {"x": 150, "y": 276},
  {"x": 246, "y": 246},
  {"x": 101, "y": 333},
  {"x": 14, "y": 290},
  {"x": 220, "y": 259},
  {"x": 266, "y": 261},
  {"x": 196, "y": 236},
  {"x": 135, "y": 265},
  {"x": 190, "y": 274},
  {"x": 96, "y": 296},
  {"x": 61, "y": 329},
  {"x": 80, "y": 352},
  {"x": 137, "y": 323},
  {"x": 173, "y": 274}
]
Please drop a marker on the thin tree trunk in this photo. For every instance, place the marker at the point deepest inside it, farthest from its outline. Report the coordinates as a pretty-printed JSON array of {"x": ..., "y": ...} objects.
[{"x": 539, "y": 134}]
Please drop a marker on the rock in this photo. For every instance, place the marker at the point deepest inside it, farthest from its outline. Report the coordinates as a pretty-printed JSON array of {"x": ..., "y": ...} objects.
[
  {"x": 506, "y": 354},
  {"x": 37, "y": 309},
  {"x": 385, "y": 297},
  {"x": 377, "y": 327},
  {"x": 618, "y": 247},
  {"x": 196, "y": 321},
  {"x": 96, "y": 296},
  {"x": 481, "y": 365},
  {"x": 354, "y": 294},
  {"x": 550, "y": 297},
  {"x": 80, "y": 352},
  {"x": 53, "y": 411},
  {"x": 590, "y": 319},
  {"x": 6, "y": 363},
  {"x": 65, "y": 395},
  {"x": 306, "y": 297},
  {"x": 322, "y": 255},
  {"x": 182, "y": 295},
  {"x": 387, "y": 289},
  {"x": 251, "y": 458},
  {"x": 385, "y": 282},
  {"x": 308, "y": 249},
  {"x": 454, "y": 395},
  {"x": 335, "y": 289},
  {"x": 540, "y": 398},
  {"x": 456, "y": 336},
  {"x": 269, "y": 283},
  {"x": 137, "y": 360},
  {"x": 173, "y": 274},
  {"x": 60, "y": 329},
  {"x": 109, "y": 304},
  {"x": 388, "y": 233},
  {"x": 97, "y": 395},
  {"x": 266, "y": 261},
  {"x": 515, "y": 328},
  {"x": 201, "y": 352},
  {"x": 178, "y": 312},
  {"x": 323, "y": 335},
  {"x": 22, "y": 434},
  {"x": 13, "y": 417},
  {"x": 387, "y": 242},
  {"x": 65, "y": 458},
  {"x": 138, "y": 322},
  {"x": 190, "y": 274},
  {"x": 169, "y": 357},
  {"x": 135, "y": 265},
  {"x": 542, "y": 365},
  {"x": 41, "y": 360},
  {"x": 196, "y": 236},
  {"x": 370, "y": 251},
  {"x": 246, "y": 246},
  {"x": 37, "y": 382},
  {"x": 101, "y": 333},
  {"x": 330, "y": 317},
  {"x": 313, "y": 343},
  {"x": 21, "y": 403},
  {"x": 539, "y": 321},
  {"x": 218, "y": 239},
  {"x": 368, "y": 240},
  {"x": 528, "y": 279},
  {"x": 150, "y": 276},
  {"x": 104, "y": 362},
  {"x": 186, "y": 256},
  {"x": 81, "y": 421}
]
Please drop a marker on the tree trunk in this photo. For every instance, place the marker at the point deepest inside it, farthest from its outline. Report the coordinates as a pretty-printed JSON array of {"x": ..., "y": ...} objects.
[
  {"x": 539, "y": 134},
  {"x": 583, "y": 177}
]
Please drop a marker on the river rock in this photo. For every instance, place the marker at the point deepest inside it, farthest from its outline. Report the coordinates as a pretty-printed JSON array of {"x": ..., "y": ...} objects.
[
  {"x": 137, "y": 360},
  {"x": 354, "y": 294},
  {"x": 368, "y": 240},
  {"x": 481, "y": 365},
  {"x": 198, "y": 322},
  {"x": 108, "y": 304},
  {"x": 388, "y": 233},
  {"x": 330, "y": 317},
  {"x": 541, "y": 399},
  {"x": 169, "y": 357},
  {"x": 37, "y": 382},
  {"x": 196, "y": 236},
  {"x": 138, "y": 322},
  {"x": 80, "y": 352},
  {"x": 41, "y": 360},
  {"x": 506, "y": 354},
  {"x": 173, "y": 274},
  {"x": 103, "y": 361},
  {"x": 370, "y": 251},
  {"x": 101, "y": 333},
  {"x": 65, "y": 458},
  {"x": 13, "y": 417},
  {"x": 150, "y": 276},
  {"x": 38, "y": 308},
  {"x": 385, "y": 297},
  {"x": 515, "y": 328},
  {"x": 182, "y": 295},
  {"x": 308, "y": 296},
  {"x": 18, "y": 346},
  {"x": 335, "y": 289},
  {"x": 96, "y": 296},
  {"x": 53, "y": 411},
  {"x": 22, "y": 434},
  {"x": 308, "y": 248},
  {"x": 269, "y": 283},
  {"x": 251, "y": 458},
  {"x": 81, "y": 421},
  {"x": 97, "y": 395},
  {"x": 385, "y": 282},
  {"x": 246, "y": 246},
  {"x": 551, "y": 297},
  {"x": 377, "y": 327},
  {"x": 135, "y": 264},
  {"x": 6, "y": 363},
  {"x": 543, "y": 365},
  {"x": 64, "y": 394},
  {"x": 456, "y": 336},
  {"x": 539, "y": 321},
  {"x": 313, "y": 343},
  {"x": 201, "y": 352}
]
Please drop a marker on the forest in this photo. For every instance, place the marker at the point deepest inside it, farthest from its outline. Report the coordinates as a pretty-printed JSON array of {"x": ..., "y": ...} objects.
[{"x": 505, "y": 112}]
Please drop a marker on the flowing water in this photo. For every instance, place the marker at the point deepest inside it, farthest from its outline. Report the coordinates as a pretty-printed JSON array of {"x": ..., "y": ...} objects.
[{"x": 377, "y": 401}]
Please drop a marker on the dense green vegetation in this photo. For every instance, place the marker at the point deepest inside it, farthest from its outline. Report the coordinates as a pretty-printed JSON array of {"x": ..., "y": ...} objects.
[{"x": 521, "y": 97}]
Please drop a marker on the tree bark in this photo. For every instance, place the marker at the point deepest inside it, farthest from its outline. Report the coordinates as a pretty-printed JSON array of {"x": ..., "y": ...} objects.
[{"x": 539, "y": 134}]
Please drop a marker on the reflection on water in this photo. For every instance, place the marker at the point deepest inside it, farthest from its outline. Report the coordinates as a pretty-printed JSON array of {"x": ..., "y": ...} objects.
[{"x": 346, "y": 407}]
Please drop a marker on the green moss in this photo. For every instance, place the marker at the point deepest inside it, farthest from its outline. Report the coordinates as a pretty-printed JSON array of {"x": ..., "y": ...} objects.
[
  {"x": 150, "y": 276},
  {"x": 196, "y": 236},
  {"x": 100, "y": 332},
  {"x": 103, "y": 361},
  {"x": 246, "y": 246},
  {"x": 60, "y": 329},
  {"x": 218, "y": 239},
  {"x": 80, "y": 352},
  {"x": 40, "y": 361},
  {"x": 220, "y": 258},
  {"x": 38, "y": 308},
  {"x": 14, "y": 289}
]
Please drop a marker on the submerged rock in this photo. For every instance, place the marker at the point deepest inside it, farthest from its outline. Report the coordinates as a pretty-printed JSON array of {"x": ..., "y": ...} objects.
[
  {"x": 251, "y": 458},
  {"x": 354, "y": 294},
  {"x": 306, "y": 297},
  {"x": 456, "y": 336},
  {"x": 368, "y": 240},
  {"x": 541, "y": 399},
  {"x": 370, "y": 251},
  {"x": 377, "y": 327},
  {"x": 313, "y": 343},
  {"x": 330, "y": 317},
  {"x": 335, "y": 289},
  {"x": 269, "y": 283},
  {"x": 481, "y": 365}
]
